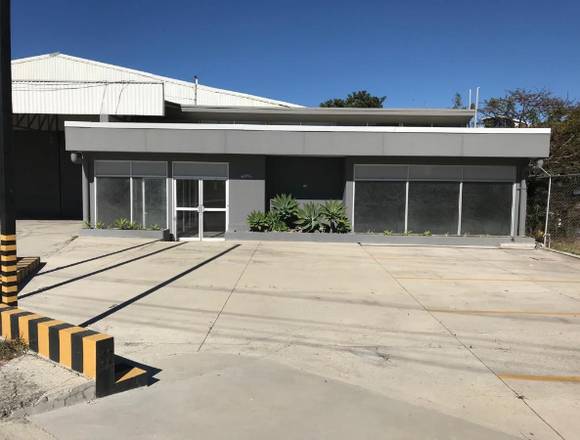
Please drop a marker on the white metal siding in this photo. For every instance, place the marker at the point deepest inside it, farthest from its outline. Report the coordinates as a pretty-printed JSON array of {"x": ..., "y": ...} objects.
[
  {"x": 87, "y": 98},
  {"x": 59, "y": 67}
]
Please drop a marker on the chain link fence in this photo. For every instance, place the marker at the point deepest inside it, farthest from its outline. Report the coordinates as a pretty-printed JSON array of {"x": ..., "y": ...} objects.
[{"x": 560, "y": 198}]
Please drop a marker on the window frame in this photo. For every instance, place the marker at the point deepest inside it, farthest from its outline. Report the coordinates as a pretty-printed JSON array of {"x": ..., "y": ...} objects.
[
  {"x": 131, "y": 176},
  {"x": 460, "y": 180}
]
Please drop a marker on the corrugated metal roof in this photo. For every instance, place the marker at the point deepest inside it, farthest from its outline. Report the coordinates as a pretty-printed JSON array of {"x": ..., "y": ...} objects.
[
  {"x": 88, "y": 98},
  {"x": 60, "y": 68}
]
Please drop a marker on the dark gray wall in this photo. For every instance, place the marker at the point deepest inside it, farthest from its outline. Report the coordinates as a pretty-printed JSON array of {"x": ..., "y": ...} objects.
[
  {"x": 48, "y": 184},
  {"x": 305, "y": 178}
]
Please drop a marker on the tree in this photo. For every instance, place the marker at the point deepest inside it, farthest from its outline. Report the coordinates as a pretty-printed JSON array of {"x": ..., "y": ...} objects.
[
  {"x": 524, "y": 108},
  {"x": 565, "y": 144},
  {"x": 360, "y": 99},
  {"x": 458, "y": 101}
]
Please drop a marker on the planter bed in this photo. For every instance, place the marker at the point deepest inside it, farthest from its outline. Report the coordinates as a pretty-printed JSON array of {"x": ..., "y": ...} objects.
[
  {"x": 127, "y": 233},
  {"x": 417, "y": 240}
]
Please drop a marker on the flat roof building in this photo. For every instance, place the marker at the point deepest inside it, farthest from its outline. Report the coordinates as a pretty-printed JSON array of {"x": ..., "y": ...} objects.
[{"x": 197, "y": 160}]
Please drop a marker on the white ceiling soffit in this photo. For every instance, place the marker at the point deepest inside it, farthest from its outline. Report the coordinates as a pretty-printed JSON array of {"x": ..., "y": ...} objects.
[
  {"x": 59, "y": 67},
  {"x": 88, "y": 98}
]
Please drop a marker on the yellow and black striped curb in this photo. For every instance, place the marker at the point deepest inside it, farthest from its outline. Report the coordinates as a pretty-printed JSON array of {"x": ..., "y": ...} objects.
[
  {"x": 26, "y": 267},
  {"x": 89, "y": 352},
  {"x": 8, "y": 269}
]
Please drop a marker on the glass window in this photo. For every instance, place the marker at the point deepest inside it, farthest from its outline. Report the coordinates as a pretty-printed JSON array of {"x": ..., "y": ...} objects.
[
  {"x": 187, "y": 193},
  {"x": 138, "y": 201},
  {"x": 214, "y": 224},
  {"x": 379, "y": 206},
  {"x": 487, "y": 208},
  {"x": 155, "y": 203},
  {"x": 433, "y": 206},
  {"x": 214, "y": 193},
  {"x": 149, "y": 202},
  {"x": 113, "y": 199},
  {"x": 187, "y": 224}
]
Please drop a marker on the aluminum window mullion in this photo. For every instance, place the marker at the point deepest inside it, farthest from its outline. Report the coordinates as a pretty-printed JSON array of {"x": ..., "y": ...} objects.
[
  {"x": 459, "y": 217},
  {"x": 406, "y": 206},
  {"x": 143, "y": 200},
  {"x": 513, "y": 211}
]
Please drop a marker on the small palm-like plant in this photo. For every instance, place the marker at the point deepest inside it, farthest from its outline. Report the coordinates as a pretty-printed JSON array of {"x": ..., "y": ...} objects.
[
  {"x": 285, "y": 207},
  {"x": 310, "y": 218},
  {"x": 335, "y": 217}
]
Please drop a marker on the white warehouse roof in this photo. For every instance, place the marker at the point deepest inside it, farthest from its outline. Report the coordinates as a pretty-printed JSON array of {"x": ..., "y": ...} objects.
[{"x": 63, "y": 84}]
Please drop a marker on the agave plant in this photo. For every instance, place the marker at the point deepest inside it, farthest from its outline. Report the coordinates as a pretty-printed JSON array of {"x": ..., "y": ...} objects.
[
  {"x": 310, "y": 218},
  {"x": 259, "y": 221},
  {"x": 335, "y": 217},
  {"x": 285, "y": 207},
  {"x": 275, "y": 223}
]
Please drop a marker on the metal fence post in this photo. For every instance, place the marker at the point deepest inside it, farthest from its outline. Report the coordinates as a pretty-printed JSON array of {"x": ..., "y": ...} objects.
[{"x": 547, "y": 210}]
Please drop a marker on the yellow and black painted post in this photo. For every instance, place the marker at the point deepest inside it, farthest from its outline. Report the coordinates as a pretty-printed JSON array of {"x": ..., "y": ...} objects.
[{"x": 8, "y": 258}]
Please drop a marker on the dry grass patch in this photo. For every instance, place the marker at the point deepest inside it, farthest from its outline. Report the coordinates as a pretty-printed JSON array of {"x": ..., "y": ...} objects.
[{"x": 10, "y": 349}]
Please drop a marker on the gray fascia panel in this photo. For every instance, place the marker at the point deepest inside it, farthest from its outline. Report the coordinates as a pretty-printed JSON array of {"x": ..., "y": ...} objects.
[{"x": 325, "y": 142}]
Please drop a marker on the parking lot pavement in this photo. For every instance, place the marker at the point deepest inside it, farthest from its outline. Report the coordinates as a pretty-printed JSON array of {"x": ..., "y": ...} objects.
[{"x": 304, "y": 340}]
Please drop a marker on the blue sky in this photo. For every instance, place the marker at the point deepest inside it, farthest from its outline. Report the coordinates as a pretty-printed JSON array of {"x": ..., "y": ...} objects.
[{"x": 417, "y": 53}]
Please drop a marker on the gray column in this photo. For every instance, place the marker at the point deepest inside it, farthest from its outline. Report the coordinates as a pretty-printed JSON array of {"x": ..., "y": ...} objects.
[
  {"x": 85, "y": 191},
  {"x": 523, "y": 207}
]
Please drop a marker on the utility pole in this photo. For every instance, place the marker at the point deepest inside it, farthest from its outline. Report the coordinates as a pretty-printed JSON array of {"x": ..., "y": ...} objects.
[{"x": 8, "y": 259}]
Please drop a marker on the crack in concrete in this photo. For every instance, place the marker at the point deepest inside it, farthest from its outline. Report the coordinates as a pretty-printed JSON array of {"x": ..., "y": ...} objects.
[
  {"x": 213, "y": 324},
  {"x": 465, "y": 346}
]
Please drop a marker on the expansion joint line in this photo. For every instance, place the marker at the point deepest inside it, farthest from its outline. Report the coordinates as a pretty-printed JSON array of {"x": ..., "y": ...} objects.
[
  {"x": 211, "y": 327},
  {"x": 454, "y": 336}
]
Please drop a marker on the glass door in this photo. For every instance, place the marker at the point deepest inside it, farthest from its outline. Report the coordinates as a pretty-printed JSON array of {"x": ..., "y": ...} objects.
[{"x": 200, "y": 209}]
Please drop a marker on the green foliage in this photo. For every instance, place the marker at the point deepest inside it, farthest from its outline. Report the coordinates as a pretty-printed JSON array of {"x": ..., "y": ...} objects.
[
  {"x": 258, "y": 221},
  {"x": 310, "y": 218},
  {"x": 275, "y": 223},
  {"x": 525, "y": 108},
  {"x": 458, "y": 102},
  {"x": 334, "y": 214},
  {"x": 427, "y": 233},
  {"x": 285, "y": 208},
  {"x": 360, "y": 99},
  {"x": 126, "y": 225},
  {"x": 100, "y": 225},
  {"x": 388, "y": 232},
  {"x": 154, "y": 228}
]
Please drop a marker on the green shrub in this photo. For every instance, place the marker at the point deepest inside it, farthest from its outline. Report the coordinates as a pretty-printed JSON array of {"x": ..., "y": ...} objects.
[
  {"x": 154, "y": 228},
  {"x": 100, "y": 225},
  {"x": 276, "y": 223},
  {"x": 335, "y": 219},
  {"x": 285, "y": 208},
  {"x": 427, "y": 233},
  {"x": 310, "y": 218},
  {"x": 126, "y": 225},
  {"x": 388, "y": 232},
  {"x": 259, "y": 221}
]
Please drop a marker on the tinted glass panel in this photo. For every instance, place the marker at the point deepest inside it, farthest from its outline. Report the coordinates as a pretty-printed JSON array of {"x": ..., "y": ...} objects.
[
  {"x": 113, "y": 199},
  {"x": 155, "y": 203},
  {"x": 433, "y": 206},
  {"x": 187, "y": 193},
  {"x": 187, "y": 224},
  {"x": 487, "y": 208},
  {"x": 214, "y": 193},
  {"x": 379, "y": 206},
  {"x": 138, "y": 201},
  {"x": 214, "y": 224}
]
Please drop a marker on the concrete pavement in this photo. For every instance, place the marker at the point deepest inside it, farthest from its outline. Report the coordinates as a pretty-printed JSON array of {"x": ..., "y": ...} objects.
[{"x": 300, "y": 340}]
